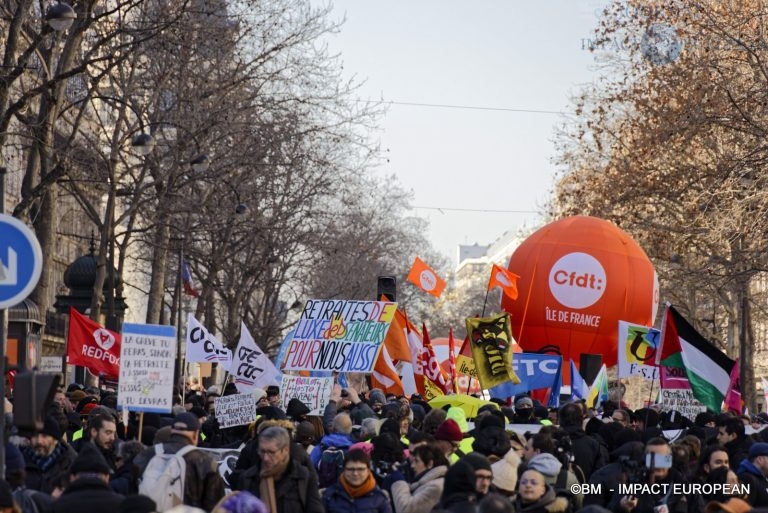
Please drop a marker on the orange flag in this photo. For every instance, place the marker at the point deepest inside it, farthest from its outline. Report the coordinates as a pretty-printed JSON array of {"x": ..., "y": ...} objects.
[
  {"x": 395, "y": 341},
  {"x": 385, "y": 375},
  {"x": 504, "y": 279},
  {"x": 425, "y": 278}
]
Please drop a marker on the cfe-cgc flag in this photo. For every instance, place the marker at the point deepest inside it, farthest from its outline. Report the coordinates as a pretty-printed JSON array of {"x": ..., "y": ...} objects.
[
  {"x": 203, "y": 346},
  {"x": 425, "y": 278},
  {"x": 250, "y": 366},
  {"x": 92, "y": 346},
  {"x": 491, "y": 341},
  {"x": 505, "y": 280}
]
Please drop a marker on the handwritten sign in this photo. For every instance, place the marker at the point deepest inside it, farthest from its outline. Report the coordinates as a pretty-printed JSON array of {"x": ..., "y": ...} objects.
[
  {"x": 314, "y": 392},
  {"x": 147, "y": 358},
  {"x": 342, "y": 336},
  {"x": 681, "y": 400},
  {"x": 235, "y": 410}
]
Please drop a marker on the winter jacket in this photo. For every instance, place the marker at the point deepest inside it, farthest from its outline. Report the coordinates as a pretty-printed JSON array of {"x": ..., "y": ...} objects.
[
  {"x": 338, "y": 440},
  {"x": 203, "y": 486},
  {"x": 421, "y": 495},
  {"x": 588, "y": 453},
  {"x": 549, "y": 503},
  {"x": 88, "y": 494},
  {"x": 124, "y": 481},
  {"x": 249, "y": 455},
  {"x": 296, "y": 490},
  {"x": 751, "y": 476},
  {"x": 738, "y": 450},
  {"x": 337, "y": 500},
  {"x": 676, "y": 503},
  {"x": 44, "y": 479}
]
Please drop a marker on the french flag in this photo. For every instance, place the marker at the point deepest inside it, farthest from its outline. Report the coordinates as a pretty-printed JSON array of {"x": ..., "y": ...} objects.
[{"x": 186, "y": 275}]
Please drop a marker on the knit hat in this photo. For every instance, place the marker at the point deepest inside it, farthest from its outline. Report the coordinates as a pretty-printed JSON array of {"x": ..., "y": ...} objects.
[
  {"x": 449, "y": 431},
  {"x": 14, "y": 461},
  {"x": 494, "y": 418},
  {"x": 390, "y": 426},
  {"x": 258, "y": 393},
  {"x": 271, "y": 413},
  {"x": 137, "y": 503},
  {"x": 88, "y": 408},
  {"x": 477, "y": 460},
  {"x": 758, "y": 449},
  {"x": 306, "y": 430},
  {"x": 240, "y": 502},
  {"x": 460, "y": 479},
  {"x": 185, "y": 422},
  {"x": 76, "y": 396},
  {"x": 51, "y": 427},
  {"x": 492, "y": 441},
  {"x": 460, "y": 417},
  {"x": 90, "y": 460},
  {"x": 505, "y": 471},
  {"x": 296, "y": 409},
  {"x": 376, "y": 396},
  {"x": 523, "y": 402},
  {"x": 85, "y": 400},
  {"x": 6, "y": 496}
]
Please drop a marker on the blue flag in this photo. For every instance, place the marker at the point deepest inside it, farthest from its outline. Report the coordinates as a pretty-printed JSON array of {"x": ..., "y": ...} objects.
[
  {"x": 579, "y": 388},
  {"x": 535, "y": 371}
]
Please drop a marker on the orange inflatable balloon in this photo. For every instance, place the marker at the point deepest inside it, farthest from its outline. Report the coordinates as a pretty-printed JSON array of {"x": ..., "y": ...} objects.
[{"x": 579, "y": 277}]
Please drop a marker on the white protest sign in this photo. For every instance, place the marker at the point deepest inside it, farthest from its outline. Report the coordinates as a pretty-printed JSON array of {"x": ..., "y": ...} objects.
[
  {"x": 314, "y": 392},
  {"x": 681, "y": 400},
  {"x": 147, "y": 358},
  {"x": 51, "y": 364},
  {"x": 235, "y": 410}
]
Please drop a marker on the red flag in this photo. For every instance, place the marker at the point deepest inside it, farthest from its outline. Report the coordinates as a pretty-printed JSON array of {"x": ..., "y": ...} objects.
[
  {"x": 504, "y": 279},
  {"x": 425, "y": 278},
  {"x": 452, "y": 359},
  {"x": 432, "y": 369},
  {"x": 733, "y": 397},
  {"x": 92, "y": 346}
]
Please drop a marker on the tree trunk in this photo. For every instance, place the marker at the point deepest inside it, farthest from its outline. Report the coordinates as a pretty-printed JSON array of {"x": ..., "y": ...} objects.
[{"x": 156, "y": 297}]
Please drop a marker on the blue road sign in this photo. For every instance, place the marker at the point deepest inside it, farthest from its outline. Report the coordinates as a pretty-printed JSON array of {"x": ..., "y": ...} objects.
[{"x": 21, "y": 261}]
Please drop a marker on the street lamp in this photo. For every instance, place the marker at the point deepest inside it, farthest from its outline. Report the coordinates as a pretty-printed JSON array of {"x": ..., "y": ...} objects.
[{"x": 60, "y": 16}]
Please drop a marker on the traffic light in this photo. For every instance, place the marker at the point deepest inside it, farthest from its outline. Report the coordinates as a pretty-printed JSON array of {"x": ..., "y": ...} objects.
[
  {"x": 32, "y": 395},
  {"x": 386, "y": 286}
]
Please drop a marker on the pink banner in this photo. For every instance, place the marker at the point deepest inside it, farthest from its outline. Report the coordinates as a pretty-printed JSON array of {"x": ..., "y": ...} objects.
[
  {"x": 674, "y": 378},
  {"x": 733, "y": 398}
]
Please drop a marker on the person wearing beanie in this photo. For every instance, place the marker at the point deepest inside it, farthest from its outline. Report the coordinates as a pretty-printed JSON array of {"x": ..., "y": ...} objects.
[
  {"x": 505, "y": 473},
  {"x": 88, "y": 489},
  {"x": 203, "y": 486},
  {"x": 524, "y": 411},
  {"x": 376, "y": 400},
  {"x": 47, "y": 458},
  {"x": 752, "y": 471},
  {"x": 492, "y": 442},
  {"x": 551, "y": 468},
  {"x": 458, "y": 414},
  {"x": 483, "y": 472},
  {"x": 357, "y": 489},
  {"x": 296, "y": 410},
  {"x": 459, "y": 491},
  {"x": 448, "y": 437},
  {"x": 28, "y": 500}
]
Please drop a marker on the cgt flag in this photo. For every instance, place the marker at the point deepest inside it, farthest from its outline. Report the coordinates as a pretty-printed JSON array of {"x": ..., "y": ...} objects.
[
  {"x": 250, "y": 366},
  {"x": 425, "y": 278},
  {"x": 505, "y": 280},
  {"x": 491, "y": 341},
  {"x": 92, "y": 346}
]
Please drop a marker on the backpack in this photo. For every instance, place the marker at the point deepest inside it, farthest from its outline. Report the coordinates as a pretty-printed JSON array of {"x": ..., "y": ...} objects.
[
  {"x": 330, "y": 466},
  {"x": 163, "y": 479}
]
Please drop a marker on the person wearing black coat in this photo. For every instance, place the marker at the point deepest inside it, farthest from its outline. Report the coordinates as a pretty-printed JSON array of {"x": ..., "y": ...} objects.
[
  {"x": 88, "y": 490},
  {"x": 588, "y": 453},
  {"x": 459, "y": 495},
  {"x": 628, "y": 456}
]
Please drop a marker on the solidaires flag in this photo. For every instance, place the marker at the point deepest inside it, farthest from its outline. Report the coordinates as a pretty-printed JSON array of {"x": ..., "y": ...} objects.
[{"x": 708, "y": 368}]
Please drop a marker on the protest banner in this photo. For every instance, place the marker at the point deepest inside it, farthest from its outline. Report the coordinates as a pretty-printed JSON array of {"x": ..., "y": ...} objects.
[
  {"x": 203, "y": 346},
  {"x": 312, "y": 391},
  {"x": 147, "y": 357},
  {"x": 637, "y": 351},
  {"x": 341, "y": 336},
  {"x": 250, "y": 366},
  {"x": 235, "y": 410},
  {"x": 536, "y": 371},
  {"x": 682, "y": 400}
]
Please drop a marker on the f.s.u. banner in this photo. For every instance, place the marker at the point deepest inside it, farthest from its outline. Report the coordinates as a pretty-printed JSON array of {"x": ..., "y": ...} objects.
[{"x": 339, "y": 335}]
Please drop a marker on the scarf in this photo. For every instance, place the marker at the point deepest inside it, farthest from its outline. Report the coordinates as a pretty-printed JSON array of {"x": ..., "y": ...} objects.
[
  {"x": 43, "y": 462},
  {"x": 267, "y": 484},
  {"x": 358, "y": 491}
]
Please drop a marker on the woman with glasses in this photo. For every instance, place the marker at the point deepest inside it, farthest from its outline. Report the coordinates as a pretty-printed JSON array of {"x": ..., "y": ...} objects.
[
  {"x": 356, "y": 490},
  {"x": 534, "y": 495}
]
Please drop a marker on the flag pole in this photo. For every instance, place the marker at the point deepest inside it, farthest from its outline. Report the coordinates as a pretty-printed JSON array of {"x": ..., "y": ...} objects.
[
  {"x": 485, "y": 302},
  {"x": 527, "y": 303}
]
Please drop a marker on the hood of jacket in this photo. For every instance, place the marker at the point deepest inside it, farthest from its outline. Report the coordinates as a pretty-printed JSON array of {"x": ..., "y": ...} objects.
[
  {"x": 339, "y": 440},
  {"x": 749, "y": 467}
]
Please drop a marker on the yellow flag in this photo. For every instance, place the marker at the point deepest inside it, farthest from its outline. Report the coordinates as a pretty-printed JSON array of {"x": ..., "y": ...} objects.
[{"x": 491, "y": 341}]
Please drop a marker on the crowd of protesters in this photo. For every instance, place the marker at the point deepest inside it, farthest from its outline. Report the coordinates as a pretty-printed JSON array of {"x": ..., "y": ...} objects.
[{"x": 377, "y": 453}]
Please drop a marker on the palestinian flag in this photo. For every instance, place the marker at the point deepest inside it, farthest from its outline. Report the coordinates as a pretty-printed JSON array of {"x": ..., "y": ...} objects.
[{"x": 708, "y": 368}]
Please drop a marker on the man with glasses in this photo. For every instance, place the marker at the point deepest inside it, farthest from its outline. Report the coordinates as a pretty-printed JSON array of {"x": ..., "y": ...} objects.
[
  {"x": 285, "y": 485},
  {"x": 620, "y": 416}
]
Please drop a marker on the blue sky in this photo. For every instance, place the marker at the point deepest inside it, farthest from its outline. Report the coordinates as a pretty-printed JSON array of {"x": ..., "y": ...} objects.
[{"x": 503, "y": 54}]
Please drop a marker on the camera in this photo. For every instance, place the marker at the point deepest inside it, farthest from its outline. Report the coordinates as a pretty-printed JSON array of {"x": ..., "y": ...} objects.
[{"x": 637, "y": 473}]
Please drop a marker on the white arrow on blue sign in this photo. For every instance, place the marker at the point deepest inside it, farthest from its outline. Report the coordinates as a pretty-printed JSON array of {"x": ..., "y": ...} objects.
[{"x": 21, "y": 261}]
